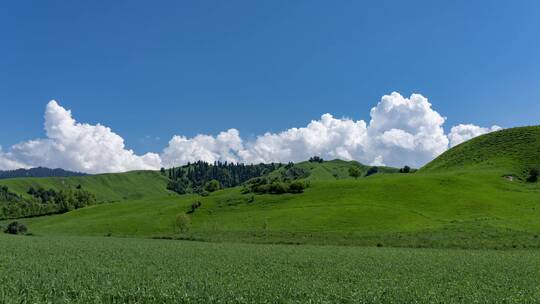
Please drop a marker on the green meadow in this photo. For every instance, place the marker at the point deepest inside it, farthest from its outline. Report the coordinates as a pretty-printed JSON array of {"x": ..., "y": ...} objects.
[
  {"x": 134, "y": 270},
  {"x": 463, "y": 229}
]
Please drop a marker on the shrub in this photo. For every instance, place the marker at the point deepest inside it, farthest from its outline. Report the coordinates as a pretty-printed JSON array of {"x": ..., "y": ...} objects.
[
  {"x": 16, "y": 228},
  {"x": 212, "y": 186},
  {"x": 297, "y": 187},
  {"x": 277, "y": 188},
  {"x": 533, "y": 176},
  {"x": 355, "y": 172},
  {"x": 182, "y": 223}
]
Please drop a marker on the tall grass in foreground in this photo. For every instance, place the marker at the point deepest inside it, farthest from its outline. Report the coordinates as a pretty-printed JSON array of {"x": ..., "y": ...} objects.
[{"x": 117, "y": 270}]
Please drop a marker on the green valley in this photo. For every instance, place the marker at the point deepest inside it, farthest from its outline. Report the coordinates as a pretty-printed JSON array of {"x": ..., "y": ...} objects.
[
  {"x": 466, "y": 227},
  {"x": 455, "y": 201}
]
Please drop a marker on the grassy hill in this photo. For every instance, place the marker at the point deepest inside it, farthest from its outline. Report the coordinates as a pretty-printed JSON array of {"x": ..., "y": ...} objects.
[
  {"x": 106, "y": 187},
  {"x": 511, "y": 152},
  {"x": 458, "y": 200},
  {"x": 334, "y": 169},
  {"x": 435, "y": 210}
]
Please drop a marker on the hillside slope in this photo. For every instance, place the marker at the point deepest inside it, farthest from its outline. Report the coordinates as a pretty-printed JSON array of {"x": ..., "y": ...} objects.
[
  {"x": 428, "y": 210},
  {"x": 458, "y": 200},
  {"x": 106, "y": 187},
  {"x": 511, "y": 151},
  {"x": 333, "y": 169}
]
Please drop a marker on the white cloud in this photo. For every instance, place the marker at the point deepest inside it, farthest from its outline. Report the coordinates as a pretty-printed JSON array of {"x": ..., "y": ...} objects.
[
  {"x": 181, "y": 149},
  {"x": 405, "y": 131},
  {"x": 8, "y": 163},
  {"x": 401, "y": 131},
  {"x": 464, "y": 132},
  {"x": 81, "y": 147},
  {"x": 328, "y": 137}
]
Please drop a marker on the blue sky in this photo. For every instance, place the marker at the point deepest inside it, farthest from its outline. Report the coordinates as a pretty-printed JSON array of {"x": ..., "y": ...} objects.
[{"x": 152, "y": 69}]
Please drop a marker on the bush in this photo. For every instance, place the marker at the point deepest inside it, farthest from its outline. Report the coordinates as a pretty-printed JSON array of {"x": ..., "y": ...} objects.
[
  {"x": 212, "y": 186},
  {"x": 182, "y": 223},
  {"x": 277, "y": 188},
  {"x": 533, "y": 176},
  {"x": 16, "y": 228},
  {"x": 297, "y": 187},
  {"x": 355, "y": 172}
]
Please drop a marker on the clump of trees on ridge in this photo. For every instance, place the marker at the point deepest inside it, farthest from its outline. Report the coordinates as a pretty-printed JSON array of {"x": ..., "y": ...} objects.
[
  {"x": 202, "y": 177},
  {"x": 43, "y": 202}
]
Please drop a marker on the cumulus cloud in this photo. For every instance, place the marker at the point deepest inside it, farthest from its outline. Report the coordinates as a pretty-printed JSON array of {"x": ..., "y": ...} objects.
[
  {"x": 77, "y": 146},
  {"x": 464, "y": 132},
  {"x": 401, "y": 131},
  {"x": 405, "y": 131},
  {"x": 207, "y": 148},
  {"x": 8, "y": 163},
  {"x": 328, "y": 137}
]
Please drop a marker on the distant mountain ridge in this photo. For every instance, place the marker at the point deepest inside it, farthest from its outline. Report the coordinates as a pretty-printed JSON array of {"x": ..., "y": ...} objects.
[{"x": 39, "y": 172}]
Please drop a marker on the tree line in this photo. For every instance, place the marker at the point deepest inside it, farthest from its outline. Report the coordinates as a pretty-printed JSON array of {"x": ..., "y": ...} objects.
[
  {"x": 43, "y": 201},
  {"x": 202, "y": 177}
]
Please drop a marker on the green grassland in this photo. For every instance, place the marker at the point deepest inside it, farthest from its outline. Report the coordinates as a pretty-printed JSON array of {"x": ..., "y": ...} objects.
[
  {"x": 422, "y": 210},
  {"x": 455, "y": 201},
  {"x": 122, "y": 270},
  {"x": 511, "y": 152},
  {"x": 459, "y": 208},
  {"x": 106, "y": 187},
  {"x": 333, "y": 169}
]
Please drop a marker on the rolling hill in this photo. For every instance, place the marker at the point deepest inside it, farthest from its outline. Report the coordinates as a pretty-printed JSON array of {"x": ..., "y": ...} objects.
[
  {"x": 510, "y": 151},
  {"x": 459, "y": 200},
  {"x": 107, "y": 187}
]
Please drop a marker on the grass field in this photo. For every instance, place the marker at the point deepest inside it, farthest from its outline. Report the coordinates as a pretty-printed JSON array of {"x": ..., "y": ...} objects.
[
  {"x": 460, "y": 200},
  {"x": 117, "y": 270},
  {"x": 510, "y": 152},
  {"x": 109, "y": 253},
  {"x": 421, "y": 210},
  {"x": 107, "y": 187}
]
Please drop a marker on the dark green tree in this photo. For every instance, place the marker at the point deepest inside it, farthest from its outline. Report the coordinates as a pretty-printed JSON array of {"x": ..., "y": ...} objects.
[
  {"x": 405, "y": 169},
  {"x": 355, "y": 172}
]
